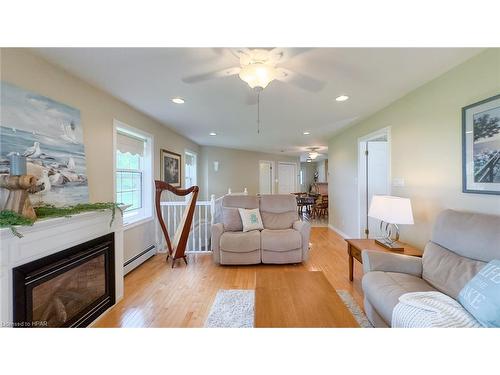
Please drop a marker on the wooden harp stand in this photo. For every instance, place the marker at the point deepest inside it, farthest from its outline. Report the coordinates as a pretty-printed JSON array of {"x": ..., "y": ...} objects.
[{"x": 177, "y": 247}]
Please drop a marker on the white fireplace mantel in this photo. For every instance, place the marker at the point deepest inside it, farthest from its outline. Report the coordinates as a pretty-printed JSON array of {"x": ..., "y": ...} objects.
[{"x": 50, "y": 236}]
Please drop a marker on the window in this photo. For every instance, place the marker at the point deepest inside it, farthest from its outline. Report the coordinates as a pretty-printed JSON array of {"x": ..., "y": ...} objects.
[
  {"x": 133, "y": 176},
  {"x": 190, "y": 169},
  {"x": 129, "y": 175}
]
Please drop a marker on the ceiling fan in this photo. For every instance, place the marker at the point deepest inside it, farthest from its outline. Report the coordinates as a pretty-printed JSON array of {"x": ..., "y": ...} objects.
[
  {"x": 313, "y": 154},
  {"x": 258, "y": 67}
]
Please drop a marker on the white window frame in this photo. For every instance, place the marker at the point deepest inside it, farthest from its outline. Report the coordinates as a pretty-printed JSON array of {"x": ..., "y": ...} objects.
[
  {"x": 145, "y": 213},
  {"x": 195, "y": 155}
]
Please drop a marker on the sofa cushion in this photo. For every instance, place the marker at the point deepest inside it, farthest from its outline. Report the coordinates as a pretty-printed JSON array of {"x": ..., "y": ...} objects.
[
  {"x": 278, "y": 211},
  {"x": 383, "y": 289},
  {"x": 475, "y": 236},
  {"x": 231, "y": 219},
  {"x": 447, "y": 271},
  {"x": 240, "y": 201},
  {"x": 280, "y": 240},
  {"x": 282, "y": 220},
  {"x": 240, "y": 242},
  {"x": 278, "y": 203}
]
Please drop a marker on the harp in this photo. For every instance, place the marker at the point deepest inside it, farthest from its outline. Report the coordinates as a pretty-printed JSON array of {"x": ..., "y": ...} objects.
[{"x": 177, "y": 247}]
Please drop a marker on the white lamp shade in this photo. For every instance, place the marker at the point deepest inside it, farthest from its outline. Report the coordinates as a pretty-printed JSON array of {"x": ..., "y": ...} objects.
[{"x": 394, "y": 210}]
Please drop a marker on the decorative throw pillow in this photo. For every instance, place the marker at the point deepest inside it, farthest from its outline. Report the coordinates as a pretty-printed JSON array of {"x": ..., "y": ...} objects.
[
  {"x": 231, "y": 220},
  {"x": 251, "y": 219},
  {"x": 481, "y": 295}
]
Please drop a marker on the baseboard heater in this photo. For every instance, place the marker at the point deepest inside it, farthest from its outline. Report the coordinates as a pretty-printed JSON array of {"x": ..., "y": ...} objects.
[{"x": 138, "y": 259}]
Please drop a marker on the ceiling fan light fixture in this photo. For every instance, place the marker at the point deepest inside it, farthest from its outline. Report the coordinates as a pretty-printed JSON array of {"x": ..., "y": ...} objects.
[
  {"x": 313, "y": 155},
  {"x": 178, "y": 100},
  {"x": 306, "y": 133},
  {"x": 212, "y": 134},
  {"x": 309, "y": 160},
  {"x": 257, "y": 75}
]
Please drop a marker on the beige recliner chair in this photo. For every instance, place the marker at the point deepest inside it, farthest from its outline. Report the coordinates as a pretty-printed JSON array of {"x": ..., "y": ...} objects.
[
  {"x": 461, "y": 244},
  {"x": 285, "y": 239}
]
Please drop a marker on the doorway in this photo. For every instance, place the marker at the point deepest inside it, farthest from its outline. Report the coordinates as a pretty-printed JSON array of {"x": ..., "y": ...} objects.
[
  {"x": 374, "y": 177},
  {"x": 266, "y": 177},
  {"x": 287, "y": 178}
]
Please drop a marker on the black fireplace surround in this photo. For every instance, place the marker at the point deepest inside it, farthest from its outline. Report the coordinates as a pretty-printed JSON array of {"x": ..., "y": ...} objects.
[{"x": 68, "y": 289}]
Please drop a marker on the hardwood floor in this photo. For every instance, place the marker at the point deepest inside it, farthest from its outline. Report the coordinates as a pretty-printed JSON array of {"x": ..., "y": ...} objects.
[
  {"x": 158, "y": 296},
  {"x": 299, "y": 299}
]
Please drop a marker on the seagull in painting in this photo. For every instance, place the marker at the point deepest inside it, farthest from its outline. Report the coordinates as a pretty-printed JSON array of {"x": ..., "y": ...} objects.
[
  {"x": 69, "y": 134},
  {"x": 71, "y": 163},
  {"x": 33, "y": 151}
]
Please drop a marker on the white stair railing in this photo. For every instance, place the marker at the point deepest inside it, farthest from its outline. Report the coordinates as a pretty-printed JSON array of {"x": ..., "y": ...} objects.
[
  {"x": 200, "y": 234},
  {"x": 244, "y": 192}
]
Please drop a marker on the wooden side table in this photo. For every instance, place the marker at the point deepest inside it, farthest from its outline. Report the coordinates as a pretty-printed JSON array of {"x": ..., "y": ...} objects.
[{"x": 355, "y": 246}]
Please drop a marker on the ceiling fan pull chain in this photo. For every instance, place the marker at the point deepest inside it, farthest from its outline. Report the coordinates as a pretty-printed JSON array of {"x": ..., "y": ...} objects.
[{"x": 258, "y": 112}]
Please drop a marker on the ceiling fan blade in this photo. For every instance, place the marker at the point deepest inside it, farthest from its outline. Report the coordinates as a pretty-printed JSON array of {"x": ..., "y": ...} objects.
[
  {"x": 212, "y": 75},
  {"x": 240, "y": 52},
  {"x": 300, "y": 80},
  {"x": 281, "y": 54}
]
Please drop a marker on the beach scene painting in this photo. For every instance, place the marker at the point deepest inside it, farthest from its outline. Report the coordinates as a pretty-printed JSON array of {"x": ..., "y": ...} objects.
[{"x": 50, "y": 135}]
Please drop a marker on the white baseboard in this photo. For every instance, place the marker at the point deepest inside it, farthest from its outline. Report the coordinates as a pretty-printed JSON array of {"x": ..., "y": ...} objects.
[
  {"x": 139, "y": 260},
  {"x": 338, "y": 231}
]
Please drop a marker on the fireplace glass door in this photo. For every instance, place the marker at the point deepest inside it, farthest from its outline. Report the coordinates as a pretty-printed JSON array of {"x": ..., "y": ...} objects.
[{"x": 67, "y": 289}]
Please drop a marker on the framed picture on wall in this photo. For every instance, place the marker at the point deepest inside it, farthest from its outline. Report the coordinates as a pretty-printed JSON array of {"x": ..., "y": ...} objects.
[
  {"x": 170, "y": 164},
  {"x": 481, "y": 147}
]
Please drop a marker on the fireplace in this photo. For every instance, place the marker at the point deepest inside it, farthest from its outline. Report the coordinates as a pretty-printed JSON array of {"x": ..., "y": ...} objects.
[{"x": 70, "y": 288}]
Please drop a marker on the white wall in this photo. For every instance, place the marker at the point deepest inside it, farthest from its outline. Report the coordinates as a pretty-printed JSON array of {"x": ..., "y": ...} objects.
[
  {"x": 426, "y": 149},
  {"x": 98, "y": 109},
  {"x": 237, "y": 169}
]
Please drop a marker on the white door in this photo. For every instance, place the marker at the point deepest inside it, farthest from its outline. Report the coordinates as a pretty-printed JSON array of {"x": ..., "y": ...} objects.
[
  {"x": 265, "y": 177},
  {"x": 375, "y": 180},
  {"x": 287, "y": 178}
]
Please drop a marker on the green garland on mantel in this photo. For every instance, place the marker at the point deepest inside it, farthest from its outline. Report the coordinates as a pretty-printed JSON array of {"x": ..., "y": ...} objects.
[{"x": 10, "y": 219}]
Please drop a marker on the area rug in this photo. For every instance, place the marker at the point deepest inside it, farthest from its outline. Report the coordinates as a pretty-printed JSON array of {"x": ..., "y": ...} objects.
[
  {"x": 354, "y": 308},
  {"x": 234, "y": 308}
]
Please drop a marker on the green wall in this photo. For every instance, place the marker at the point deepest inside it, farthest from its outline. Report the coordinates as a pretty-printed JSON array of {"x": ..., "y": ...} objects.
[{"x": 426, "y": 149}]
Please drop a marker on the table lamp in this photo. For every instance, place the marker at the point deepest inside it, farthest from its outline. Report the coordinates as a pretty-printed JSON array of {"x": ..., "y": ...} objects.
[{"x": 391, "y": 211}]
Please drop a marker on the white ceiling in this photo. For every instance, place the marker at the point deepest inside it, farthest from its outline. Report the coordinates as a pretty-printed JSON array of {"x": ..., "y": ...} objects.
[{"x": 147, "y": 79}]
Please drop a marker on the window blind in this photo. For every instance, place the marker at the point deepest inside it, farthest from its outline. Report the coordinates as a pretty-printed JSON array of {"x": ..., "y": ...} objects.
[{"x": 128, "y": 143}]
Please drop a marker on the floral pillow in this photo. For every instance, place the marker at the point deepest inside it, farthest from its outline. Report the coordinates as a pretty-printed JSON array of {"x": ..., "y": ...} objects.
[{"x": 251, "y": 219}]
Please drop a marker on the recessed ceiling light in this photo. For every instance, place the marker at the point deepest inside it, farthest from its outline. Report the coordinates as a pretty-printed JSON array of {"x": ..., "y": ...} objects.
[
  {"x": 306, "y": 133},
  {"x": 178, "y": 100},
  {"x": 213, "y": 134},
  {"x": 341, "y": 98}
]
